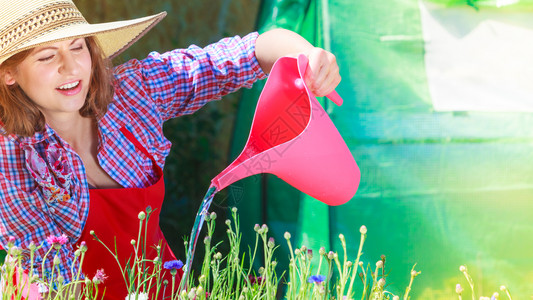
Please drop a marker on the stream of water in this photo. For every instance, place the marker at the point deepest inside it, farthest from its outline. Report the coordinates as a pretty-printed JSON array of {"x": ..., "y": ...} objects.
[{"x": 195, "y": 232}]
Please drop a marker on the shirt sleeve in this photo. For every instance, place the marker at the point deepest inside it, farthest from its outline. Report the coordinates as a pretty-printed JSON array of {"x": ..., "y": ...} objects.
[
  {"x": 24, "y": 217},
  {"x": 183, "y": 80}
]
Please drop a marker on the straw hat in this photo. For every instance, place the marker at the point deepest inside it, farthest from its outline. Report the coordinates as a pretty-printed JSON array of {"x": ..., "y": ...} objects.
[{"x": 26, "y": 24}]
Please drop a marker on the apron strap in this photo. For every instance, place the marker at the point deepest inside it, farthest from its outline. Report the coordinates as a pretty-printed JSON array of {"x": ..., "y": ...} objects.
[{"x": 135, "y": 142}]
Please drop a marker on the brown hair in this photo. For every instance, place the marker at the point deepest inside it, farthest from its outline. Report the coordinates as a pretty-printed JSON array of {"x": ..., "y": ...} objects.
[{"x": 19, "y": 114}]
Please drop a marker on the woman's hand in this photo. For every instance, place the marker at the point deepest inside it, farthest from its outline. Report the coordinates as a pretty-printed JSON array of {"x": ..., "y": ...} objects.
[{"x": 322, "y": 75}]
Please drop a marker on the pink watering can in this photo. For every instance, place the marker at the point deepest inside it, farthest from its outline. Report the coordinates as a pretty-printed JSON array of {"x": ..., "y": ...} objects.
[{"x": 293, "y": 138}]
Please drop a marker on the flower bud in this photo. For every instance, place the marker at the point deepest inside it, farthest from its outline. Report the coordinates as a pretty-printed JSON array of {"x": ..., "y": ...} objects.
[
  {"x": 381, "y": 282},
  {"x": 331, "y": 255},
  {"x": 199, "y": 290},
  {"x": 57, "y": 261},
  {"x": 396, "y": 297},
  {"x": 462, "y": 269},
  {"x": 201, "y": 279},
  {"x": 459, "y": 289},
  {"x": 362, "y": 230},
  {"x": 310, "y": 254},
  {"x": 213, "y": 215},
  {"x": 271, "y": 243},
  {"x": 349, "y": 264},
  {"x": 228, "y": 222},
  {"x": 322, "y": 251},
  {"x": 233, "y": 209},
  {"x": 379, "y": 264},
  {"x": 287, "y": 235},
  {"x": 264, "y": 228},
  {"x": 257, "y": 228},
  {"x": 503, "y": 288},
  {"x": 304, "y": 248},
  {"x": 141, "y": 215},
  {"x": 133, "y": 242}
]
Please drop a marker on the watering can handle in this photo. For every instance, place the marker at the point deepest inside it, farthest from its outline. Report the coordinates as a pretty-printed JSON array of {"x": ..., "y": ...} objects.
[{"x": 302, "y": 65}]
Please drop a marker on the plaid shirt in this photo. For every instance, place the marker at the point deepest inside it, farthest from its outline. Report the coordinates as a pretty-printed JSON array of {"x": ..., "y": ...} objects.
[{"x": 43, "y": 186}]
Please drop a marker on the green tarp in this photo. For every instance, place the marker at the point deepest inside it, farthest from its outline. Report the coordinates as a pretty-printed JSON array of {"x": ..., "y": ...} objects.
[{"x": 439, "y": 189}]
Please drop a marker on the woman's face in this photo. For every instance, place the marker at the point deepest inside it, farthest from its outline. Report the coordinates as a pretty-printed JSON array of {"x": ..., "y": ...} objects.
[{"x": 56, "y": 78}]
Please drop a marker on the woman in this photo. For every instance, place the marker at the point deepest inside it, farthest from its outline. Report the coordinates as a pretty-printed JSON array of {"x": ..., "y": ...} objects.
[{"x": 82, "y": 147}]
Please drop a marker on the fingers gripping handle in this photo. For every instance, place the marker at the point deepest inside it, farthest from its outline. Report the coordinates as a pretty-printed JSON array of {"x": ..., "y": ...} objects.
[{"x": 302, "y": 66}]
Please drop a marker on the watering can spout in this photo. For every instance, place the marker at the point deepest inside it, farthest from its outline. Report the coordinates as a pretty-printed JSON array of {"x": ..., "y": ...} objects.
[{"x": 293, "y": 138}]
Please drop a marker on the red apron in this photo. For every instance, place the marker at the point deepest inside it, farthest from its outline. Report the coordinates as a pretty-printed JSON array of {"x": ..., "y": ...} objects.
[{"x": 113, "y": 215}]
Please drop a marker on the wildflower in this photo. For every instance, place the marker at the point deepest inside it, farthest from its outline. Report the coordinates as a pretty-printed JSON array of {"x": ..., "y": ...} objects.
[
  {"x": 83, "y": 246},
  {"x": 459, "y": 289},
  {"x": 11, "y": 241},
  {"x": 173, "y": 266},
  {"x": 32, "y": 247},
  {"x": 15, "y": 251},
  {"x": 349, "y": 264},
  {"x": 379, "y": 264},
  {"x": 99, "y": 277},
  {"x": 264, "y": 228},
  {"x": 316, "y": 278},
  {"x": 255, "y": 279},
  {"x": 57, "y": 241},
  {"x": 271, "y": 243},
  {"x": 199, "y": 290},
  {"x": 381, "y": 282},
  {"x": 140, "y": 296},
  {"x": 192, "y": 293},
  {"x": 363, "y": 229}
]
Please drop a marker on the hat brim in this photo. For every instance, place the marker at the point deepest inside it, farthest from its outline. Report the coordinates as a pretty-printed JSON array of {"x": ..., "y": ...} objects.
[{"x": 113, "y": 37}]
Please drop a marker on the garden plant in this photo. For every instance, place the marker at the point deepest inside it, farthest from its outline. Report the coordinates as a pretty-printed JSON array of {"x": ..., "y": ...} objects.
[{"x": 221, "y": 276}]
